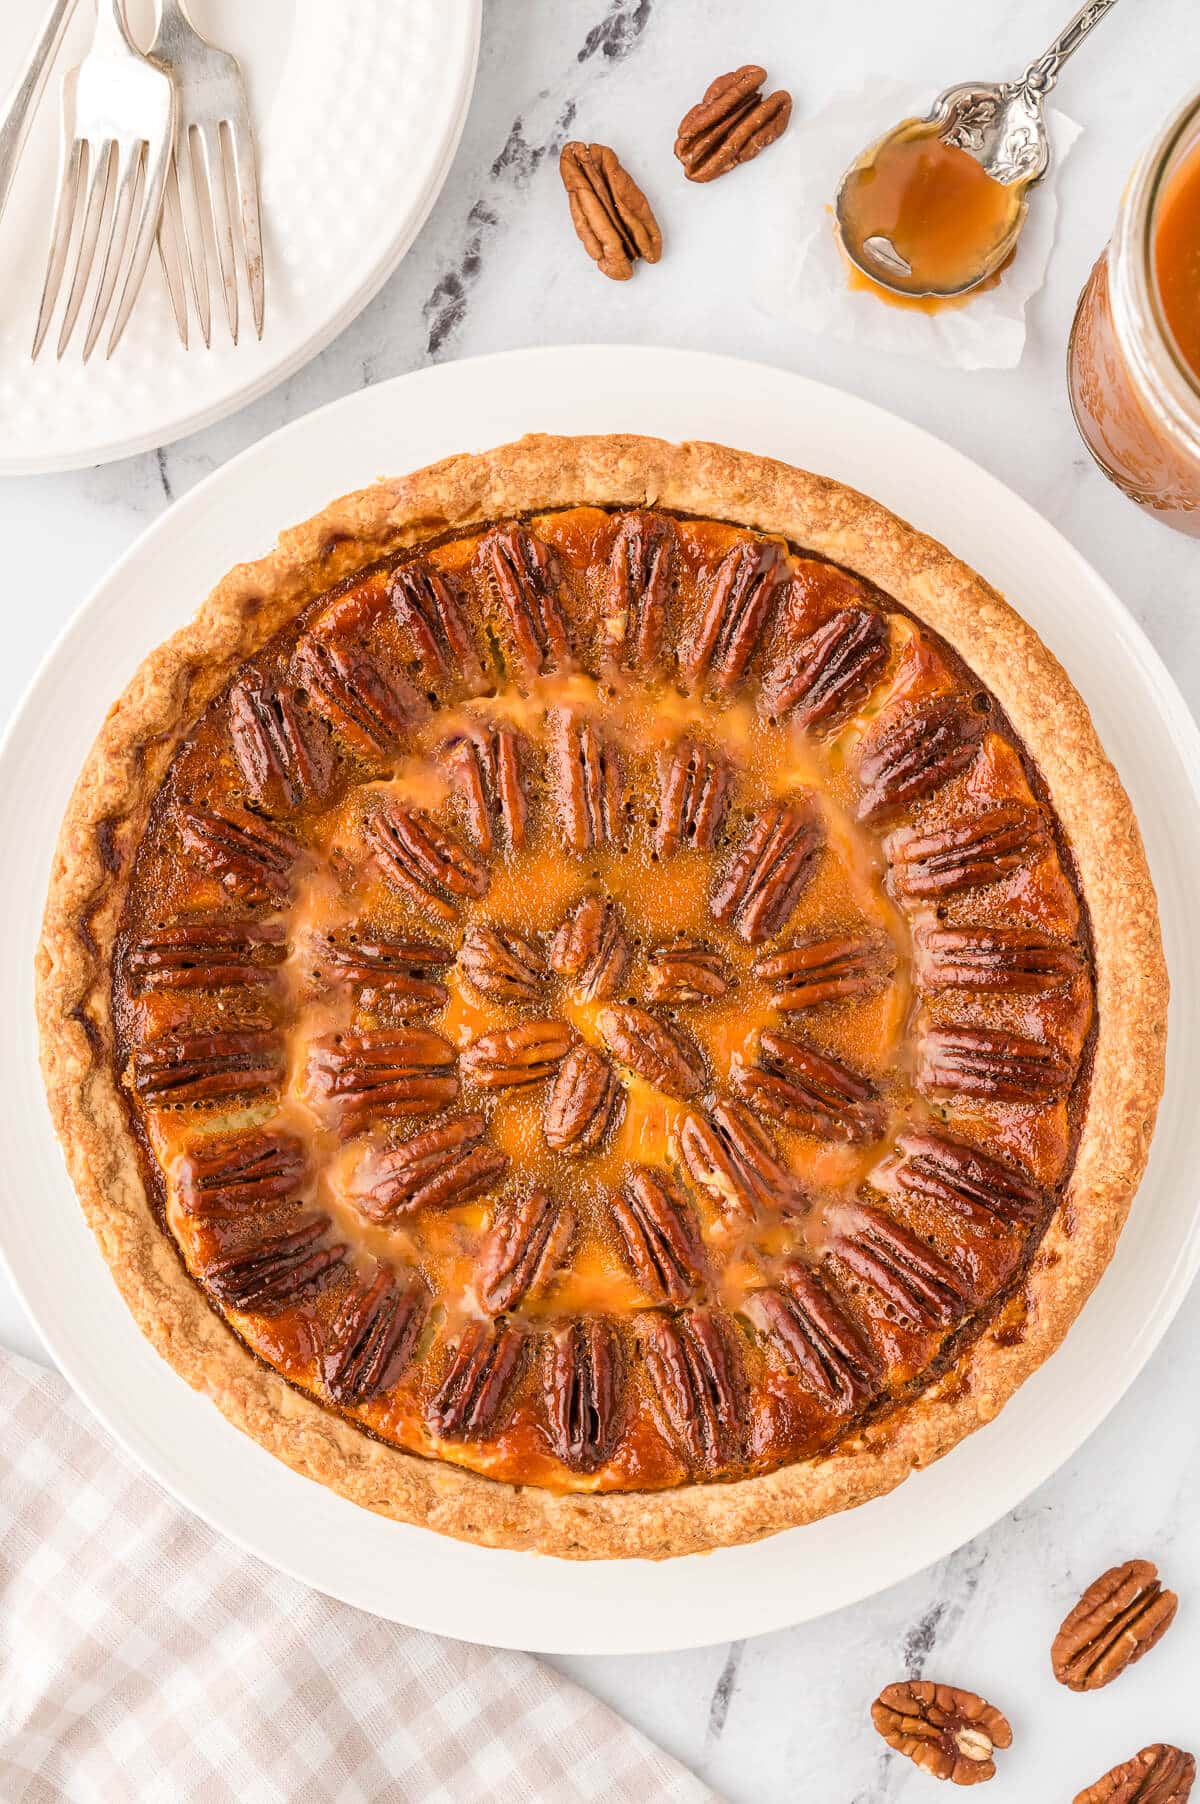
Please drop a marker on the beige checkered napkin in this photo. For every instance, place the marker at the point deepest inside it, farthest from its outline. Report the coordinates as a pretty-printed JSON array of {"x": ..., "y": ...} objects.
[{"x": 144, "y": 1658}]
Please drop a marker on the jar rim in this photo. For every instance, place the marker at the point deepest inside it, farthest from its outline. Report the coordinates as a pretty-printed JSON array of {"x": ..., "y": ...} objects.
[{"x": 1137, "y": 232}]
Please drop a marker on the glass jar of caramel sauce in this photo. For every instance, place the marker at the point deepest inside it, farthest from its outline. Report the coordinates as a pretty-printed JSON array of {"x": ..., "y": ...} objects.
[{"x": 1133, "y": 364}]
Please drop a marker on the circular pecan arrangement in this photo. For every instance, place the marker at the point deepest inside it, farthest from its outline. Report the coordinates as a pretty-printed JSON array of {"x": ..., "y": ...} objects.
[{"x": 605, "y": 1002}]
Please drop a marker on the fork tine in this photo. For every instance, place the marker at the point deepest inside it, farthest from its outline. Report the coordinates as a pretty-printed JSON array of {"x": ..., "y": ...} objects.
[
  {"x": 85, "y": 255},
  {"x": 72, "y": 175},
  {"x": 129, "y": 168},
  {"x": 196, "y": 187},
  {"x": 214, "y": 165},
  {"x": 173, "y": 260},
  {"x": 143, "y": 238},
  {"x": 246, "y": 172}
]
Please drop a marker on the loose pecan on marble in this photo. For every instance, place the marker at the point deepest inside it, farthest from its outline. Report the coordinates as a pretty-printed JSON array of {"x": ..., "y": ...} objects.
[
  {"x": 512, "y": 1056},
  {"x": 592, "y": 948},
  {"x": 402, "y": 970},
  {"x": 915, "y": 750},
  {"x": 965, "y": 1180},
  {"x": 732, "y": 123},
  {"x": 275, "y": 1270},
  {"x": 502, "y": 965},
  {"x": 614, "y": 220},
  {"x": 795, "y": 1084},
  {"x": 774, "y": 864},
  {"x": 843, "y": 967},
  {"x": 484, "y": 1366},
  {"x": 524, "y": 1250},
  {"x": 694, "y": 785},
  {"x": 693, "y": 1362},
  {"x": 1159, "y": 1774},
  {"x": 382, "y": 1074},
  {"x": 203, "y": 1067},
  {"x": 248, "y": 856},
  {"x": 424, "y": 860},
  {"x": 583, "y": 1103},
  {"x": 733, "y": 1161},
  {"x": 905, "y": 1272},
  {"x": 1120, "y": 1617},
  {"x": 992, "y": 1063},
  {"x": 585, "y": 781},
  {"x": 1011, "y": 959},
  {"x": 816, "y": 1339},
  {"x": 952, "y": 1734},
  {"x": 663, "y": 1053},
  {"x": 583, "y": 1382},
  {"x": 282, "y": 753},
  {"x": 685, "y": 971},
  {"x": 367, "y": 705},
  {"x": 203, "y": 953},
  {"x": 659, "y": 1235},
  {"x": 741, "y": 600},
  {"x": 817, "y": 678},
  {"x": 373, "y": 1336},
  {"x": 426, "y": 606},
  {"x": 968, "y": 854},
  {"x": 486, "y": 764},
  {"x": 223, "y": 1176},
  {"x": 640, "y": 568},
  {"x": 525, "y": 573},
  {"x": 440, "y": 1168}
]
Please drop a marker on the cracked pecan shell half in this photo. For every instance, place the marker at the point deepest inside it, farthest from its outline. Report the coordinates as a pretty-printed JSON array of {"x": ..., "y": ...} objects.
[
  {"x": 1120, "y": 1617},
  {"x": 373, "y": 1336},
  {"x": 776, "y": 862},
  {"x": 524, "y": 1250},
  {"x": 584, "y": 1382},
  {"x": 1159, "y": 1774},
  {"x": 441, "y": 1167},
  {"x": 659, "y": 1235},
  {"x": 951, "y": 1734},
  {"x": 661, "y": 1052}
]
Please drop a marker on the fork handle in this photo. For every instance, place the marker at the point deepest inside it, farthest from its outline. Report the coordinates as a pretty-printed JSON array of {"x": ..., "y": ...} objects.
[{"x": 22, "y": 103}]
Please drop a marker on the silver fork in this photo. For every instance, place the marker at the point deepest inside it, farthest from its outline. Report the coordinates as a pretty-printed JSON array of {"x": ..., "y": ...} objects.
[
  {"x": 118, "y": 113},
  {"x": 214, "y": 155}
]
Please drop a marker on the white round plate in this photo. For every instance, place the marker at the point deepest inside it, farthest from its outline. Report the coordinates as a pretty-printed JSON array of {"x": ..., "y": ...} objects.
[
  {"x": 408, "y": 1573},
  {"x": 357, "y": 112}
]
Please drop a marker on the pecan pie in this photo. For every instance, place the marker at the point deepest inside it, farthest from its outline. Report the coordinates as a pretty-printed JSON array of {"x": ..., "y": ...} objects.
[{"x": 605, "y": 998}]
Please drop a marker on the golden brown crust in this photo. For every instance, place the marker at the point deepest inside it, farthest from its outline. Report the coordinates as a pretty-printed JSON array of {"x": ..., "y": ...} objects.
[{"x": 105, "y": 820}]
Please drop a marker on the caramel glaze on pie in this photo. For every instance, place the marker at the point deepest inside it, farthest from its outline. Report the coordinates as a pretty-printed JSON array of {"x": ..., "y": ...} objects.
[{"x": 604, "y": 1001}]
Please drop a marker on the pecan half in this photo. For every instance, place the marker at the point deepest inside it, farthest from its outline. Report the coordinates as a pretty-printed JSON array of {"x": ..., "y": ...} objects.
[
  {"x": 1118, "y": 1619},
  {"x": 733, "y": 122},
  {"x": 424, "y": 860},
  {"x": 950, "y": 1733},
  {"x": 585, "y": 781},
  {"x": 484, "y": 1366},
  {"x": 795, "y": 1084},
  {"x": 592, "y": 948},
  {"x": 369, "y": 707},
  {"x": 425, "y": 604},
  {"x": 968, "y": 854},
  {"x": 694, "y": 1366},
  {"x": 276, "y": 1270},
  {"x": 814, "y": 971},
  {"x": 525, "y": 573},
  {"x": 666, "y": 1056},
  {"x": 281, "y": 752},
  {"x": 659, "y": 1235},
  {"x": 524, "y": 1250},
  {"x": 223, "y": 1176},
  {"x": 994, "y": 958},
  {"x": 904, "y": 1271},
  {"x": 399, "y": 969},
  {"x": 373, "y": 1336},
  {"x": 381, "y": 1074},
  {"x": 584, "y": 1102},
  {"x": 441, "y": 1168},
  {"x": 819, "y": 677},
  {"x": 733, "y": 1161},
  {"x": 583, "y": 1382},
  {"x": 248, "y": 856},
  {"x": 200, "y": 953},
  {"x": 200, "y": 1067},
  {"x": 745, "y": 589},
  {"x": 990, "y": 1062},
  {"x": 816, "y": 1339},
  {"x": 502, "y": 964},
  {"x": 486, "y": 765},
  {"x": 1159, "y": 1774},
  {"x": 965, "y": 1180},
  {"x": 614, "y": 220},
  {"x": 915, "y": 750},
  {"x": 764, "y": 882},
  {"x": 640, "y": 567},
  {"x": 512, "y": 1056},
  {"x": 685, "y": 971},
  {"x": 694, "y": 785}
]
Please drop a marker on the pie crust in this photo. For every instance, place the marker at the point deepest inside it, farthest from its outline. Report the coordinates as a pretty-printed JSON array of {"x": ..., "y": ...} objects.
[{"x": 1115, "y": 1090}]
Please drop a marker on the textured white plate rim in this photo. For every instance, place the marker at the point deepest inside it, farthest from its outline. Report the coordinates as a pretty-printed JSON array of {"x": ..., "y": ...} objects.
[
  {"x": 408, "y": 1574},
  {"x": 326, "y": 330}
]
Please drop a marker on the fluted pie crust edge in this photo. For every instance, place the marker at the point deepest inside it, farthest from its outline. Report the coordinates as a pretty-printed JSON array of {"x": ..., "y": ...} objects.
[{"x": 107, "y": 815}]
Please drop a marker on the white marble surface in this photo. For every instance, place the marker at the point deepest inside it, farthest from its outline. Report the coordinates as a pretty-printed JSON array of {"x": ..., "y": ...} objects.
[{"x": 784, "y": 1717}]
